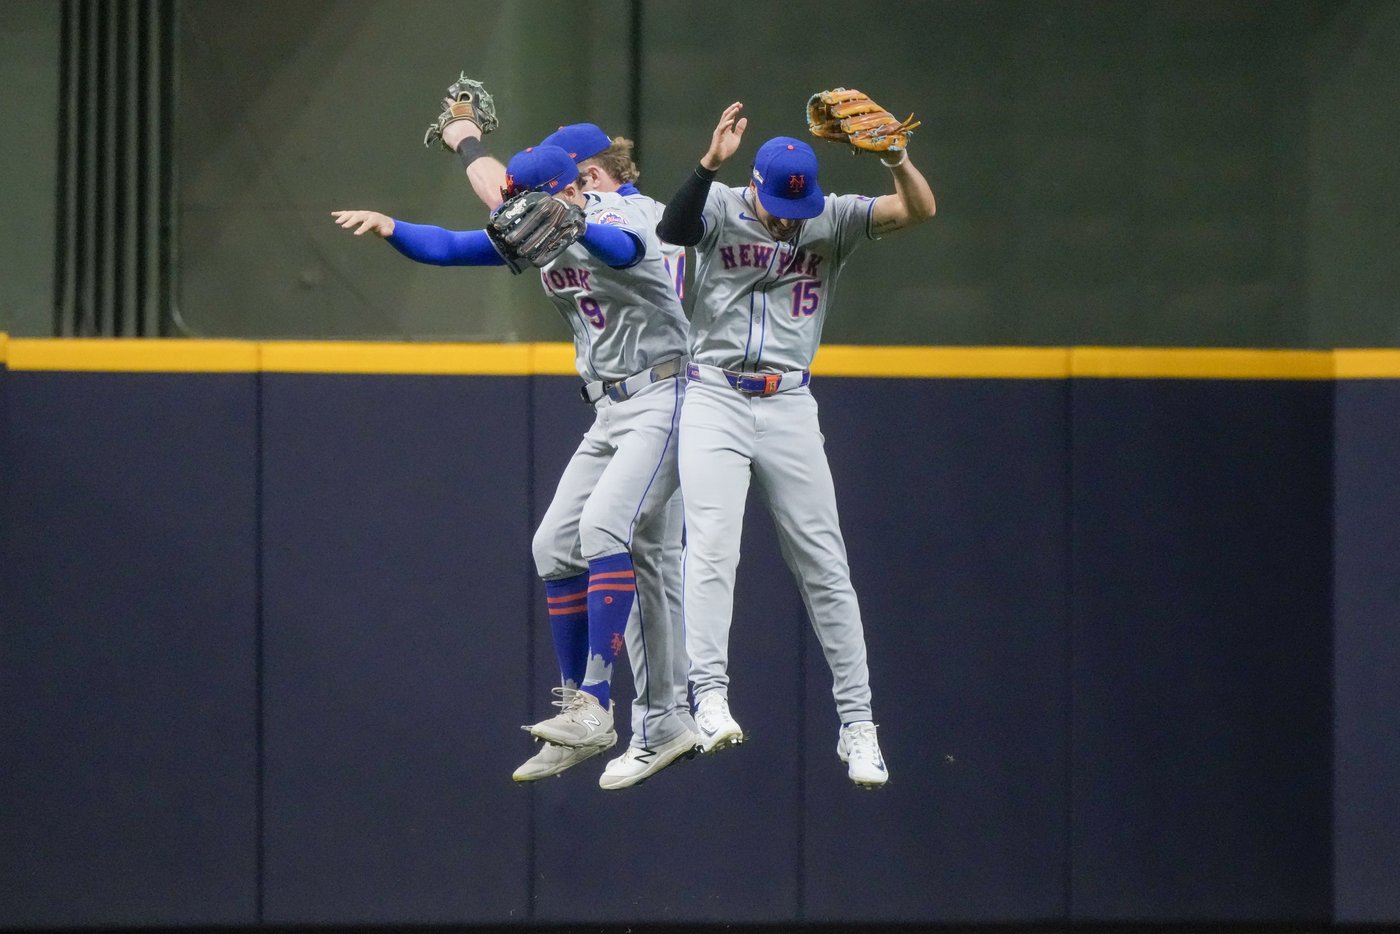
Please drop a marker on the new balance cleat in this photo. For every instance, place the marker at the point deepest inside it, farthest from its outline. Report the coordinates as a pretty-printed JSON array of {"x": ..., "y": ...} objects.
[
  {"x": 636, "y": 765},
  {"x": 581, "y": 721},
  {"x": 859, "y": 748},
  {"x": 718, "y": 729},
  {"x": 552, "y": 759}
]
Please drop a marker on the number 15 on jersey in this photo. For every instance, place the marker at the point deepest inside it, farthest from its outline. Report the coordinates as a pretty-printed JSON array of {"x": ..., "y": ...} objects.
[{"x": 805, "y": 298}]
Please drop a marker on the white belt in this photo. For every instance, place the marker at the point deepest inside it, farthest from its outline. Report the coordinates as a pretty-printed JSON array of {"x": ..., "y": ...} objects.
[
  {"x": 623, "y": 389},
  {"x": 750, "y": 384}
]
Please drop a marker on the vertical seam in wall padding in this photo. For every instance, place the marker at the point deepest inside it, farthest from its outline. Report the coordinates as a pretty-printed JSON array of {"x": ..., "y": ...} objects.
[
  {"x": 259, "y": 798},
  {"x": 1333, "y": 388},
  {"x": 801, "y": 641},
  {"x": 532, "y": 836},
  {"x": 1070, "y": 603}
]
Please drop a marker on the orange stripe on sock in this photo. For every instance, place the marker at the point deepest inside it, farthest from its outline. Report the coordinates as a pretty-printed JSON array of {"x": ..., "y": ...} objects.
[
  {"x": 568, "y": 610},
  {"x": 628, "y": 588},
  {"x": 566, "y": 598},
  {"x": 611, "y": 574}
]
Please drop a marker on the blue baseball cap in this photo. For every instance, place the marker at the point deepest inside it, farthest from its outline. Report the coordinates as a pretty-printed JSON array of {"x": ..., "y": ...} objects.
[
  {"x": 540, "y": 168},
  {"x": 785, "y": 174},
  {"x": 580, "y": 140}
]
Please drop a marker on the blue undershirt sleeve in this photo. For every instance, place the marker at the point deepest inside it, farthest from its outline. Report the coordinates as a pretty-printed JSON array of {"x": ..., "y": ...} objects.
[
  {"x": 616, "y": 246},
  {"x": 438, "y": 246}
]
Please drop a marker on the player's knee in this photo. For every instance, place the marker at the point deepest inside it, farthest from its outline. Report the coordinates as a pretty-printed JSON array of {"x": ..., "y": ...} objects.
[
  {"x": 552, "y": 558},
  {"x": 599, "y": 537}
]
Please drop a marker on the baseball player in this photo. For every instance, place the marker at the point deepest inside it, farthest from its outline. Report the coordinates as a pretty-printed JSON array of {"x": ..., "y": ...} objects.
[
  {"x": 605, "y": 165},
  {"x": 616, "y": 292},
  {"x": 768, "y": 256}
]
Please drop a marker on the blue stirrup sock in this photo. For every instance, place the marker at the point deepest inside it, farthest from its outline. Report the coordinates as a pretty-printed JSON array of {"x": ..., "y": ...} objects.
[
  {"x": 612, "y": 587},
  {"x": 568, "y": 620}
]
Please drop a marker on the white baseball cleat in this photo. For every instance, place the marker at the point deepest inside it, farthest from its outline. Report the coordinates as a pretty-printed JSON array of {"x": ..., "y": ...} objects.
[
  {"x": 859, "y": 748},
  {"x": 552, "y": 759},
  {"x": 636, "y": 765},
  {"x": 718, "y": 729},
  {"x": 581, "y": 721}
]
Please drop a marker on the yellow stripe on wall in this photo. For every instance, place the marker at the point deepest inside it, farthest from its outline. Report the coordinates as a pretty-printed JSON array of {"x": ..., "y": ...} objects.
[
  {"x": 1367, "y": 364},
  {"x": 1198, "y": 363},
  {"x": 427, "y": 359},
  {"x": 557, "y": 359},
  {"x": 947, "y": 362},
  {"x": 133, "y": 355}
]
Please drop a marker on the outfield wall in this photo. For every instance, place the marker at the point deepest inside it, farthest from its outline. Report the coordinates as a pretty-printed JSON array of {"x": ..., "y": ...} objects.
[{"x": 269, "y": 628}]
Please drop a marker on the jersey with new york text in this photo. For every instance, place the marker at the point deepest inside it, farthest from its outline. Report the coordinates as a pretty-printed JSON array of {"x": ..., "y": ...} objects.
[
  {"x": 623, "y": 320},
  {"x": 761, "y": 303}
]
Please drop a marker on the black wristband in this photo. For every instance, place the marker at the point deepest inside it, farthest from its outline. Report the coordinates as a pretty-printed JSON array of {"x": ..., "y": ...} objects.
[
  {"x": 705, "y": 174},
  {"x": 470, "y": 150}
]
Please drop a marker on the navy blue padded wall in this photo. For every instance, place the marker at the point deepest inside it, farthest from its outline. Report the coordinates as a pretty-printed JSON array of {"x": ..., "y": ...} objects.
[
  {"x": 1367, "y": 691},
  {"x": 395, "y": 513},
  {"x": 709, "y": 840},
  {"x": 1201, "y": 753},
  {"x": 126, "y": 651},
  {"x": 953, "y": 497}
]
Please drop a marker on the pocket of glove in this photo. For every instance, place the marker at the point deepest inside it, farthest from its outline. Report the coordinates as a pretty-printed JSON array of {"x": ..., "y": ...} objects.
[
  {"x": 533, "y": 228},
  {"x": 467, "y": 99}
]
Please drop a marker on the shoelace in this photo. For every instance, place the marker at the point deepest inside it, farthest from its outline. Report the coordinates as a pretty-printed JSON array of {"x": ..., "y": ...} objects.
[
  {"x": 566, "y": 697},
  {"x": 861, "y": 741}
]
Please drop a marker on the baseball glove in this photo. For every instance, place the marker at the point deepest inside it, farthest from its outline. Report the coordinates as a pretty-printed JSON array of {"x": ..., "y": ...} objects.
[
  {"x": 849, "y": 116},
  {"x": 466, "y": 100},
  {"x": 533, "y": 228}
]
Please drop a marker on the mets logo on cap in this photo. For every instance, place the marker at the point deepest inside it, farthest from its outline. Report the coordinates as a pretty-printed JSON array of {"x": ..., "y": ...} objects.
[{"x": 796, "y": 185}]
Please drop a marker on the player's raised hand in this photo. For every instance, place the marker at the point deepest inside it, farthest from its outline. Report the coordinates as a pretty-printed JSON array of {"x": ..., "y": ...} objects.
[
  {"x": 365, "y": 221},
  {"x": 458, "y": 130},
  {"x": 725, "y": 140}
]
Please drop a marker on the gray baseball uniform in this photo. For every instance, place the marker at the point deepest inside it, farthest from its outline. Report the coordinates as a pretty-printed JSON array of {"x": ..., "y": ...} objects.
[
  {"x": 615, "y": 491},
  {"x": 760, "y": 309}
]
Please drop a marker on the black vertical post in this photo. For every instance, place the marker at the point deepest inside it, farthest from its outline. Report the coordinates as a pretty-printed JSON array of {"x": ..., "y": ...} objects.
[
  {"x": 142, "y": 220},
  {"x": 634, "y": 86},
  {"x": 63, "y": 219},
  {"x": 166, "y": 155}
]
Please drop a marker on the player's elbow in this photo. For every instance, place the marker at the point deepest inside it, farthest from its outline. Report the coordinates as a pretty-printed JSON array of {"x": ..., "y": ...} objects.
[
  {"x": 679, "y": 234},
  {"x": 922, "y": 209}
]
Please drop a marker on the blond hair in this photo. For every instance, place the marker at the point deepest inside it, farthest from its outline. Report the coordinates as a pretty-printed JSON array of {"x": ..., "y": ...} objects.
[{"x": 616, "y": 160}]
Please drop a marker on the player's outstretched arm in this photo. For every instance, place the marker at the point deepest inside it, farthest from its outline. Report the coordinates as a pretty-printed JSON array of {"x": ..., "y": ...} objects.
[
  {"x": 423, "y": 243},
  {"x": 680, "y": 221},
  {"x": 912, "y": 202}
]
